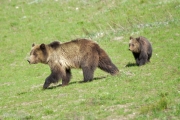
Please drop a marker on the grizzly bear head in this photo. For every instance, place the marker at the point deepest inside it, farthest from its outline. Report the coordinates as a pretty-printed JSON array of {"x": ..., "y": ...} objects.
[
  {"x": 134, "y": 45},
  {"x": 38, "y": 54}
]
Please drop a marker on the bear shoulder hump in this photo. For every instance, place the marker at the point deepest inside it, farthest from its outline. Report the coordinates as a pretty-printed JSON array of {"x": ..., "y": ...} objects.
[{"x": 54, "y": 44}]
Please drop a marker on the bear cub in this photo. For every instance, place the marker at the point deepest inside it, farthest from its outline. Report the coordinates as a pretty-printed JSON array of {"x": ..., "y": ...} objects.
[
  {"x": 141, "y": 49},
  {"x": 79, "y": 53}
]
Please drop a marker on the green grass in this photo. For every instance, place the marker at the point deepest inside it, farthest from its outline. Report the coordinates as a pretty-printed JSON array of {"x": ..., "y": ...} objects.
[{"x": 148, "y": 92}]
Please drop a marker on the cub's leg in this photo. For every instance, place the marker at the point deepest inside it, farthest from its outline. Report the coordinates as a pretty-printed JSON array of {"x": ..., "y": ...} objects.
[
  {"x": 143, "y": 57},
  {"x": 136, "y": 57}
]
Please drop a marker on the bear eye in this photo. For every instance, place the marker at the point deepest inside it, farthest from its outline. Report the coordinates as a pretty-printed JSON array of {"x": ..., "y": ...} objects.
[
  {"x": 31, "y": 53},
  {"x": 133, "y": 45},
  {"x": 34, "y": 53}
]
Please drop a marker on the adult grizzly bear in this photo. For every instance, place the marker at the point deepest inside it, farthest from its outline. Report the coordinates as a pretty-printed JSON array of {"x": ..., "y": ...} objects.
[
  {"x": 141, "y": 49},
  {"x": 79, "y": 53}
]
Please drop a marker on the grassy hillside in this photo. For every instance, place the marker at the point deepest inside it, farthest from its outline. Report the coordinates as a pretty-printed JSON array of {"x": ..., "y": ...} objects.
[{"x": 148, "y": 92}]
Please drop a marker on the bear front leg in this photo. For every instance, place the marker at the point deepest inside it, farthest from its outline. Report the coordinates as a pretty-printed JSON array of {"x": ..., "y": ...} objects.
[
  {"x": 142, "y": 59},
  {"x": 52, "y": 78},
  {"x": 47, "y": 83},
  {"x": 137, "y": 61},
  {"x": 141, "y": 62},
  {"x": 66, "y": 78},
  {"x": 136, "y": 57}
]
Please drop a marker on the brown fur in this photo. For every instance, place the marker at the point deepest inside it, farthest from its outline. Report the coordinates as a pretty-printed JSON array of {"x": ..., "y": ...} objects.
[
  {"x": 80, "y": 53},
  {"x": 141, "y": 49}
]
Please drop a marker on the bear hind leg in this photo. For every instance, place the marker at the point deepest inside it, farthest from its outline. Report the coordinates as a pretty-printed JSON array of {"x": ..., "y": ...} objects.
[
  {"x": 88, "y": 73},
  {"x": 149, "y": 56}
]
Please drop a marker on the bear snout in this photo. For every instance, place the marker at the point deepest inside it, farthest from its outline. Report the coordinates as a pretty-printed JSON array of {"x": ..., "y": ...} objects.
[{"x": 28, "y": 61}]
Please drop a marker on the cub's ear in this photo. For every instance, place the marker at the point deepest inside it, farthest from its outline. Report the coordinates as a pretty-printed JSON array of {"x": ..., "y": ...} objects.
[
  {"x": 33, "y": 45},
  {"x": 138, "y": 38},
  {"x": 131, "y": 37},
  {"x": 42, "y": 46}
]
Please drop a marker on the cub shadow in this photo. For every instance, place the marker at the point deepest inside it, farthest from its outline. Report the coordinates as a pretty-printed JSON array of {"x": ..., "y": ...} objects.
[
  {"x": 71, "y": 83},
  {"x": 131, "y": 65}
]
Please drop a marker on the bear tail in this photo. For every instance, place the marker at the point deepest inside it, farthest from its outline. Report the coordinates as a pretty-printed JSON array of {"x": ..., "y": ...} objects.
[{"x": 106, "y": 64}]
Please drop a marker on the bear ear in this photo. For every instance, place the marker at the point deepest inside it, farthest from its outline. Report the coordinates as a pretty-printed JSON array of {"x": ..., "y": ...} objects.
[
  {"x": 42, "y": 46},
  {"x": 131, "y": 37},
  {"x": 33, "y": 45},
  {"x": 138, "y": 38}
]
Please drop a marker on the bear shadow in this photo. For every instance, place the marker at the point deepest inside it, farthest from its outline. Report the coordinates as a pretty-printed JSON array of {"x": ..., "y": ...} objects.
[
  {"x": 131, "y": 65},
  {"x": 96, "y": 78},
  {"x": 60, "y": 85}
]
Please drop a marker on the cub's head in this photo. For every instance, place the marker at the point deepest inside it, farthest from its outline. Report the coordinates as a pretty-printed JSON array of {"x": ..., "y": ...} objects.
[
  {"x": 134, "y": 45},
  {"x": 38, "y": 54}
]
